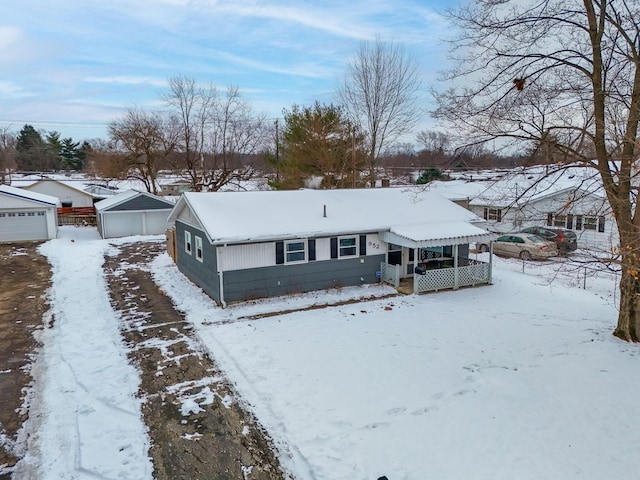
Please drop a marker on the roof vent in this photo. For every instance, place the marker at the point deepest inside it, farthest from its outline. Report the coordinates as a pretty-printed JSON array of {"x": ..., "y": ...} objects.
[{"x": 324, "y": 211}]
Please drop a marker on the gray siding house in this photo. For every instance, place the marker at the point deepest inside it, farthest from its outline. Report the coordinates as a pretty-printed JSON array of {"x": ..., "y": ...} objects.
[
  {"x": 244, "y": 245},
  {"x": 132, "y": 213}
]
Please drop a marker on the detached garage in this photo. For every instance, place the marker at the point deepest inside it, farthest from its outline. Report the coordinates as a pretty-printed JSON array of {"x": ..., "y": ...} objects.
[
  {"x": 27, "y": 216},
  {"x": 133, "y": 213}
]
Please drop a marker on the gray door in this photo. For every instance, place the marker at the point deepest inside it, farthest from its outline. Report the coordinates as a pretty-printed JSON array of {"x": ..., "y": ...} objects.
[{"x": 20, "y": 225}]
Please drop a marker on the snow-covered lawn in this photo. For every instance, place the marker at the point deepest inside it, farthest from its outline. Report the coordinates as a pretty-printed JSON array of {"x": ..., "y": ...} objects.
[{"x": 518, "y": 380}]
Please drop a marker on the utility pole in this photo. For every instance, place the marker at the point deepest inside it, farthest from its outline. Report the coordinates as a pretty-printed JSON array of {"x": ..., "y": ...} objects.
[
  {"x": 353, "y": 156},
  {"x": 277, "y": 152}
]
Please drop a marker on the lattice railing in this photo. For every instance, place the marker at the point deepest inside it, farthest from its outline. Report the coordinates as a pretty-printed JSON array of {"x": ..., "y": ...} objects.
[
  {"x": 434, "y": 280},
  {"x": 472, "y": 273},
  {"x": 390, "y": 274}
]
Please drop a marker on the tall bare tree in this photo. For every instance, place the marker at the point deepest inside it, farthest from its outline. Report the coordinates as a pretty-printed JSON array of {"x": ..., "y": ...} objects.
[
  {"x": 217, "y": 131},
  {"x": 236, "y": 133},
  {"x": 379, "y": 93},
  {"x": 566, "y": 71},
  {"x": 146, "y": 139},
  {"x": 194, "y": 106}
]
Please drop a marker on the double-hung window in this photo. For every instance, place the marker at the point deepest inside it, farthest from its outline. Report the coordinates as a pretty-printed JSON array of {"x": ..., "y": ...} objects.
[
  {"x": 348, "y": 246},
  {"x": 295, "y": 251},
  {"x": 494, "y": 214},
  {"x": 187, "y": 242},
  {"x": 199, "y": 253}
]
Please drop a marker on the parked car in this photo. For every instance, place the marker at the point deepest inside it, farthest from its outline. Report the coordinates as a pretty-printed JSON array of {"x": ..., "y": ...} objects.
[
  {"x": 566, "y": 240},
  {"x": 525, "y": 246}
]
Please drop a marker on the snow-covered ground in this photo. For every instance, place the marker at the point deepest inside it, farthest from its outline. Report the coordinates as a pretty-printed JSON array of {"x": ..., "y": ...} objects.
[{"x": 521, "y": 379}]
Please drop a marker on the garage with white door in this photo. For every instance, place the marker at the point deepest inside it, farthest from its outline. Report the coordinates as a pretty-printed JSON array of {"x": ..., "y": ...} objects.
[
  {"x": 27, "y": 216},
  {"x": 132, "y": 213}
]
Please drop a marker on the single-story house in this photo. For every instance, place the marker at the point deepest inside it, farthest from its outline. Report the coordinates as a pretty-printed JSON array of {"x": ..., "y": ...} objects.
[
  {"x": 69, "y": 195},
  {"x": 242, "y": 245},
  {"x": 26, "y": 215},
  {"x": 571, "y": 198},
  {"x": 133, "y": 213}
]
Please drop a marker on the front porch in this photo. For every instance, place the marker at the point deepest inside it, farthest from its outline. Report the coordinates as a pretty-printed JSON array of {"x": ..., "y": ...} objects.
[
  {"x": 470, "y": 274},
  {"x": 428, "y": 261}
]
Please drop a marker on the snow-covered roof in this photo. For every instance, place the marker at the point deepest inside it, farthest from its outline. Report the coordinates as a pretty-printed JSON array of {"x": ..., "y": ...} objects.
[
  {"x": 536, "y": 183},
  {"x": 234, "y": 217},
  {"x": 435, "y": 234},
  {"x": 29, "y": 195},
  {"x": 125, "y": 196}
]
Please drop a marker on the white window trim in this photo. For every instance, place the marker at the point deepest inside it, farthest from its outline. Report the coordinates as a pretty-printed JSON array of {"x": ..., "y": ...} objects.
[
  {"x": 356, "y": 245},
  {"x": 304, "y": 250},
  {"x": 199, "y": 250},
  {"x": 188, "y": 246}
]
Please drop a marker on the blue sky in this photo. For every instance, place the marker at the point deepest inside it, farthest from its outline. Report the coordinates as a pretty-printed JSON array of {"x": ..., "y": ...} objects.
[{"x": 73, "y": 66}]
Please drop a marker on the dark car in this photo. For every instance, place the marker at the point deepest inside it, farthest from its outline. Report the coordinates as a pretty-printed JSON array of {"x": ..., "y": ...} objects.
[{"x": 566, "y": 240}]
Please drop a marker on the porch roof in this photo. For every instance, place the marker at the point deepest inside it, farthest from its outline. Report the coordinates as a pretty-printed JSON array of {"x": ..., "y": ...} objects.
[{"x": 421, "y": 235}]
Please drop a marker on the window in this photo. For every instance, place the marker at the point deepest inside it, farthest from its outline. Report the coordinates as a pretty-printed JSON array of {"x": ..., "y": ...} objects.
[
  {"x": 187, "y": 242},
  {"x": 590, "y": 223},
  {"x": 570, "y": 222},
  {"x": 295, "y": 251},
  {"x": 493, "y": 214},
  {"x": 198, "y": 248},
  {"x": 601, "y": 224},
  {"x": 41, "y": 214},
  {"x": 31, "y": 214},
  {"x": 347, "y": 247},
  {"x": 578, "y": 222},
  {"x": 559, "y": 221},
  {"x": 549, "y": 219},
  {"x": 67, "y": 204}
]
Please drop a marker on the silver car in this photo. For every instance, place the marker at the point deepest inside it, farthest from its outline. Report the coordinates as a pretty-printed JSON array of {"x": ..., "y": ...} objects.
[{"x": 525, "y": 246}]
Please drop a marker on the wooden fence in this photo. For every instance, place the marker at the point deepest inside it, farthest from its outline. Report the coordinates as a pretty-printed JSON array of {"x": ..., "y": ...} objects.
[{"x": 76, "y": 216}]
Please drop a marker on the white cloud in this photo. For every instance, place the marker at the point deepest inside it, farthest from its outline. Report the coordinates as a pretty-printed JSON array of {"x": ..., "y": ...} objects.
[{"x": 128, "y": 80}]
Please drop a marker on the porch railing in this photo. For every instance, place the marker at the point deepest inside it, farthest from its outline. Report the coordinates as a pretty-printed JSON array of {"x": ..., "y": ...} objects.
[
  {"x": 469, "y": 273},
  {"x": 390, "y": 274}
]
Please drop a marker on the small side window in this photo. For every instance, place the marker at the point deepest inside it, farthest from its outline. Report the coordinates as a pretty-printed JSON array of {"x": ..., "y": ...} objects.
[
  {"x": 199, "y": 253},
  {"x": 187, "y": 242}
]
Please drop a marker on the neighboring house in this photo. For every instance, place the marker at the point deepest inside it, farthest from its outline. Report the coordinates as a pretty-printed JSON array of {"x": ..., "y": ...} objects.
[
  {"x": 174, "y": 188},
  {"x": 70, "y": 196},
  {"x": 571, "y": 199},
  {"x": 133, "y": 213},
  {"x": 26, "y": 215},
  {"x": 243, "y": 245}
]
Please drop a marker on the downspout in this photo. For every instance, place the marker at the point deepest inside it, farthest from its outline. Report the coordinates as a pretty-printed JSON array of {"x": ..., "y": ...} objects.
[{"x": 221, "y": 280}]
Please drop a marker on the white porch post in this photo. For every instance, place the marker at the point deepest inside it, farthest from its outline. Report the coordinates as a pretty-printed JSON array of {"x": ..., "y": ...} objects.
[
  {"x": 415, "y": 265},
  {"x": 456, "y": 280},
  {"x": 491, "y": 261}
]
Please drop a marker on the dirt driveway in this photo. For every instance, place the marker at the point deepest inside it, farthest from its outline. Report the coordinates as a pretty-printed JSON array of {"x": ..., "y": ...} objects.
[
  {"x": 197, "y": 426},
  {"x": 24, "y": 280}
]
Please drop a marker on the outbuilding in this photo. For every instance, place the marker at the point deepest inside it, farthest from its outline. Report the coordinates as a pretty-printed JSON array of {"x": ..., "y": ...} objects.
[
  {"x": 132, "y": 213},
  {"x": 26, "y": 215}
]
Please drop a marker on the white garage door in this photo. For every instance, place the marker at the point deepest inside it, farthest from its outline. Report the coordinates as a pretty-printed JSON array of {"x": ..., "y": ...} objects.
[
  {"x": 19, "y": 225},
  {"x": 122, "y": 224}
]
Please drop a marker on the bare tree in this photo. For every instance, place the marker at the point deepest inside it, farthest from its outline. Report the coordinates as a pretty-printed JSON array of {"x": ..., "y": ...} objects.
[
  {"x": 236, "y": 133},
  {"x": 8, "y": 142},
  {"x": 217, "y": 131},
  {"x": 194, "y": 106},
  {"x": 379, "y": 93},
  {"x": 564, "y": 74},
  {"x": 146, "y": 139}
]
